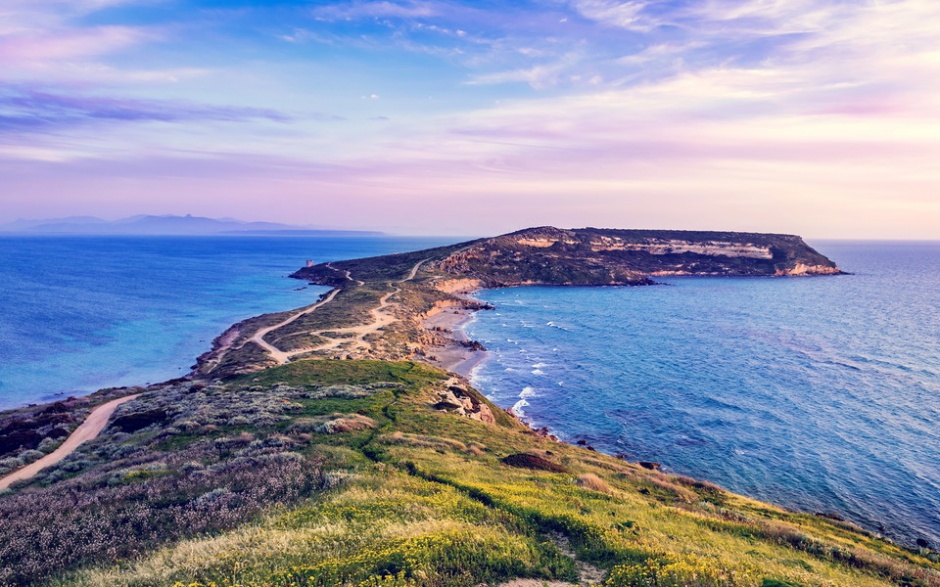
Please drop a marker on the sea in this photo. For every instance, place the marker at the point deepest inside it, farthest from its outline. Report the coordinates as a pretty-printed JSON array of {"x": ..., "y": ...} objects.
[
  {"x": 817, "y": 394},
  {"x": 81, "y": 313},
  {"x": 820, "y": 394}
]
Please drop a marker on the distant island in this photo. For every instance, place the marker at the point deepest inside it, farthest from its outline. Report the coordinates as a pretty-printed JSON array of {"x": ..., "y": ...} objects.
[
  {"x": 168, "y": 225},
  {"x": 336, "y": 445}
]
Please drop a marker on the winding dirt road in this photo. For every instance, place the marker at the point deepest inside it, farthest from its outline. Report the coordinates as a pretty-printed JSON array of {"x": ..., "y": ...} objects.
[
  {"x": 90, "y": 428},
  {"x": 380, "y": 319},
  {"x": 277, "y": 354}
]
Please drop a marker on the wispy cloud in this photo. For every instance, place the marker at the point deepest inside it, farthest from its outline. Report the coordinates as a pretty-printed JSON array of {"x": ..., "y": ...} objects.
[
  {"x": 627, "y": 15},
  {"x": 563, "y": 70},
  {"x": 384, "y": 9},
  {"x": 49, "y": 41},
  {"x": 27, "y": 49},
  {"x": 31, "y": 14},
  {"x": 31, "y": 109}
]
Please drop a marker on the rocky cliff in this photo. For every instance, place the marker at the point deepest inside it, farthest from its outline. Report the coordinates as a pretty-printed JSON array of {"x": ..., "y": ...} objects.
[{"x": 593, "y": 256}]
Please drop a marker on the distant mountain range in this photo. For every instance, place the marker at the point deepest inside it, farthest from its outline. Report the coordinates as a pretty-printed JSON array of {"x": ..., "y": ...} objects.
[{"x": 168, "y": 225}]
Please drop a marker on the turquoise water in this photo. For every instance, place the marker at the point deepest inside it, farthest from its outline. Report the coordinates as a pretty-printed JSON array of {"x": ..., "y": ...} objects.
[
  {"x": 82, "y": 313},
  {"x": 821, "y": 394}
]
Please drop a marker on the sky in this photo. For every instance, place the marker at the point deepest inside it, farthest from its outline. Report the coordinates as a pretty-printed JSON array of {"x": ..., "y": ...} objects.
[{"x": 813, "y": 117}]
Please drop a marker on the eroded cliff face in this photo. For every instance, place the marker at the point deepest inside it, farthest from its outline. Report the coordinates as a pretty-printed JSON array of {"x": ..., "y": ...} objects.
[
  {"x": 678, "y": 247},
  {"x": 549, "y": 255},
  {"x": 458, "y": 286},
  {"x": 587, "y": 256}
]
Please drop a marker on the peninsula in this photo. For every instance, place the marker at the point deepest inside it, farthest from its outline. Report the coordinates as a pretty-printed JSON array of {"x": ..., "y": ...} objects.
[
  {"x": 361, "y": 321},
  {"x": 326, "y": 446}
]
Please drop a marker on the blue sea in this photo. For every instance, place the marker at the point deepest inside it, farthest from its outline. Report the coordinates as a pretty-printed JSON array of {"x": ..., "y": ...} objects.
[
  {"x": 818, "y": 394},
  {"x": 81, "y": 313}
]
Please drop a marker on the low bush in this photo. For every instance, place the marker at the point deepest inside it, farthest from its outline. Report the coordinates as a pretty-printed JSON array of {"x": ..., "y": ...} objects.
[
  {"x": 532, "y": 461},
  {"x": 123, "y": 513},
  {"x": 29, "y": 456}
]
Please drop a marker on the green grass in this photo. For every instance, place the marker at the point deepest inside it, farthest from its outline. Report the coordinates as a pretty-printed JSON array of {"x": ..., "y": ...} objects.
[{"x": 422, "y": 498}]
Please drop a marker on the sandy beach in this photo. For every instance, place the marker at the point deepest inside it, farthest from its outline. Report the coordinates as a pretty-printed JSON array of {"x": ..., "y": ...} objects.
[{"x": 452, "y": 355}]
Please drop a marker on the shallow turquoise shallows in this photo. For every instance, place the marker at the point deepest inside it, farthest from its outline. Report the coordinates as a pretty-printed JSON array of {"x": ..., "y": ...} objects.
[
  {"x": 81, "y": 313},
  {"x": 821, "y": 394}
]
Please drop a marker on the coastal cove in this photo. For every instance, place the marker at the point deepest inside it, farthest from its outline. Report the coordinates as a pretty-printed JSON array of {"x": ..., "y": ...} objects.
[{"x": 777, "y": 389}]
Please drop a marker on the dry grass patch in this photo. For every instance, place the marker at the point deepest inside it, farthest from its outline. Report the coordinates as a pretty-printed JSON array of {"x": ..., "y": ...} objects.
[
  {"x": 333, "y": 424},
  {"x": 594, "y": 483},
  {"x": 423, "y": 441}
]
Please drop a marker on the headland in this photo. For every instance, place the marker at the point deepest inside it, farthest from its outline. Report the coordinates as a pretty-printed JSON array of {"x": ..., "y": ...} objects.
[
  {"x": 322, "y": 446},
  {"x": 362, "y": 322}
]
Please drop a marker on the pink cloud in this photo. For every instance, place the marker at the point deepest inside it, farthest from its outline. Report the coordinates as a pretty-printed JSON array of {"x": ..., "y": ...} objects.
[{"x": 23, "y": 49}]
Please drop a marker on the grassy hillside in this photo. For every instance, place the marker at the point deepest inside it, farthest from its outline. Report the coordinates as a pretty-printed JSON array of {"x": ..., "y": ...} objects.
[{"x": 357, "y": 473}]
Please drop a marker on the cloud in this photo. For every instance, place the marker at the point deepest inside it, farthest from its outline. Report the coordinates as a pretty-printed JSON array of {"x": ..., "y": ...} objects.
[
  {"x": 362, "y": 9},
  {"x": 48, "y": 40},
  {"x": 537, "y": 76},
  {"x": 20, "y": 50},
  {"x": 627, "y": 15},
  {"x": 26, "y": 109},
  {"x": 20, "y": 14},
  {"x": 73, "y": 6}
]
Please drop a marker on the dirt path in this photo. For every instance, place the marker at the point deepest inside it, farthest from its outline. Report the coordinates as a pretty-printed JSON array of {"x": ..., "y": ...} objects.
[
  {"x": 381, "y": 318},
  {"x": 90, "y": 428},
  {"x": 414, "y": 270},
  {"x": 278, "y": 355}
]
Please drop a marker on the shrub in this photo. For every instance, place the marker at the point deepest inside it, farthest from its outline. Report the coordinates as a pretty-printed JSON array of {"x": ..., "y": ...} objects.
[
  {"x": 29, "y": 456},
  {"x": 475, "y": 448},
  {"x": 779, "y": 583},
  {"x": 531, "y": 461},
  {"x": 424, "y": 441},
  {"x": 333, "y": 424},
  {"x": 47, "y": 445},
  {"x": 10, "y": 464},
  {"x": 135, "y": 506}
]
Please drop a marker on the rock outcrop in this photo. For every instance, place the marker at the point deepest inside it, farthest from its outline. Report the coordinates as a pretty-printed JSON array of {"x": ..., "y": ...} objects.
[{"x": 458, "y": 399}]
